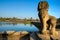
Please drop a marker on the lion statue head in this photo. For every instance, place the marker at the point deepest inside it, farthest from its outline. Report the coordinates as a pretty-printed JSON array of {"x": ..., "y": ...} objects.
[{"x": 43, "y": 5}]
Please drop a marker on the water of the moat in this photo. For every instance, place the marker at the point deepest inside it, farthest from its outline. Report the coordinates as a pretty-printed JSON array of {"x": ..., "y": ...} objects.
[{"x": 6, "y": 26}]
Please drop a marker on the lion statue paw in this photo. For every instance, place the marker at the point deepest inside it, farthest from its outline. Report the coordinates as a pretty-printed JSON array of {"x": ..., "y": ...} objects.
[
  {"x": 54, "y": 33},
  {"x": 45, "y": 32}
]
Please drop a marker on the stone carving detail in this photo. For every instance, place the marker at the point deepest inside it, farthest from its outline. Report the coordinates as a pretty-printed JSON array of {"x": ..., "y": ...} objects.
[{"x": 48, "y": 22}]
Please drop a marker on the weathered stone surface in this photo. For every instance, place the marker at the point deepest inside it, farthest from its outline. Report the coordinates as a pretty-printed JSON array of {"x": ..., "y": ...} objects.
[
  {"x": 56, "y": 37},
  {"x": 43, "y": 37},
  {"x": 12, "y": 35},
  {"x": 49, "y": 37},
  {"x": 28, "y": 36}
]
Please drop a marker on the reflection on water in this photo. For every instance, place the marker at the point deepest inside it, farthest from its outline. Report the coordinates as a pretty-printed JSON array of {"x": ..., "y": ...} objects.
[
  {"x": 10, "y": 23},
  {"x": 7, "y": 23},
  {"x": 6, "y": 26}
]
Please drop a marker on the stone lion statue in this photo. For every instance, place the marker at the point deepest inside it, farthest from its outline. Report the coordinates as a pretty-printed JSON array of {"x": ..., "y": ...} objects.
[{"x": 47, "y": 20}]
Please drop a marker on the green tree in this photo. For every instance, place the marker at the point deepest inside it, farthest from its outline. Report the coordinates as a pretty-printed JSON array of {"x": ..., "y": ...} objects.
[
  {"x": 37, "y": 19},
  {"x": 31, "y": 19}
]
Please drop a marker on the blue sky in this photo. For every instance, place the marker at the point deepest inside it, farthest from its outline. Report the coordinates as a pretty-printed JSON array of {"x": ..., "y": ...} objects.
[{"x": 26, "y": 8}]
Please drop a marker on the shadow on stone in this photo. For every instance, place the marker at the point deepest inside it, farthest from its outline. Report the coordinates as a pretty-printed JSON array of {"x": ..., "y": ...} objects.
[
  {"x": 26, "y": 37},
  {"x": 4, "y": 36},
  {"x": 34, "y": 36}
]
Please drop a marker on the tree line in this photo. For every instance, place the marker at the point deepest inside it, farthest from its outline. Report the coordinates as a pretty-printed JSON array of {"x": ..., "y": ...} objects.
[{"x": 14, "y": 19}]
